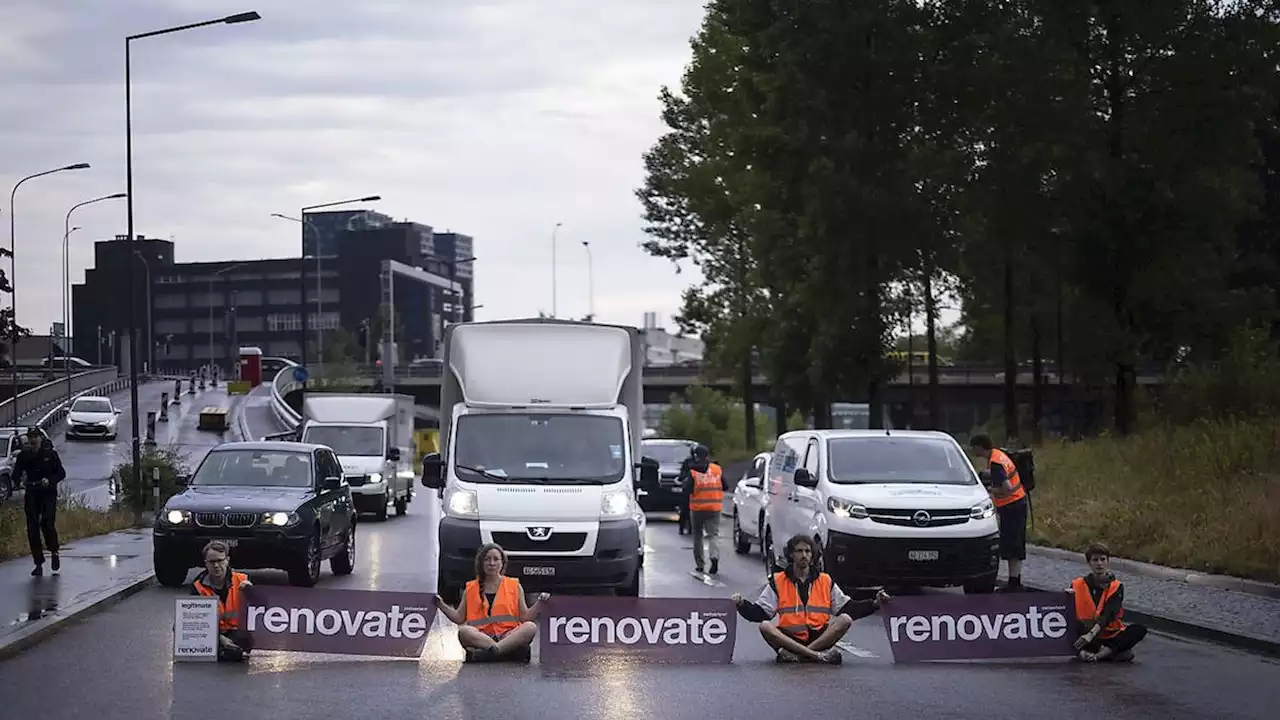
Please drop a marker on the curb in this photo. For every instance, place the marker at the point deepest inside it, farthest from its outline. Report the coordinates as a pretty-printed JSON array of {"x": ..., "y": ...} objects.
[
  {"x": 1182, "y": 628},
  {"x": 1191, "y": 577},
  {"x": 43, "y": 629}
]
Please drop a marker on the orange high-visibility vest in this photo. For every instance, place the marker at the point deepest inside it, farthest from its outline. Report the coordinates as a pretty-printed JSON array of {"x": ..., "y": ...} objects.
[
  {"x": 1011, "y": 472},
  {"x": 708, "y": 493},
  {"x": 228, "y": 611},
  {"x": 1087, "y": 612},
  {"x": 799, "y": 620},
  {"x": 503, "y": 616}
]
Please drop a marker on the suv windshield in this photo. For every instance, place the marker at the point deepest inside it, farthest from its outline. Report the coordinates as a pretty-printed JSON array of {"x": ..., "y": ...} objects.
[
  {"x": 255, "y": 468},
  {"x": 347, "y": 440},
  {"x": 91, "y": 405},
  {"x": 674, "y": 453},
  {"x": 897, "y": 460},
  {"x": 540, "y": 448}
]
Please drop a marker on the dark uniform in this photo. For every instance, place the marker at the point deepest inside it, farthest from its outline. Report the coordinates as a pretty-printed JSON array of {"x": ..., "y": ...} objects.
[{"x": 41, "y": 470}]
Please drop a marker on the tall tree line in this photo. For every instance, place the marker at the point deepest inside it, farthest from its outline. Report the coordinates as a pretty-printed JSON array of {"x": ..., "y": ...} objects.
[{"x": 1094, "y": 179}]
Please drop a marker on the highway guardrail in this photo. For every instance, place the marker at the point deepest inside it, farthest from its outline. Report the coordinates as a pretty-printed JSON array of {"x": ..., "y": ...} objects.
[
  {"x": 56, "y": 391},
  {"x": 282, "y": 385}
]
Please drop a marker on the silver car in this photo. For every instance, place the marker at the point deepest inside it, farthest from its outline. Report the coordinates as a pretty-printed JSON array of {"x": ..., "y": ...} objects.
[{"x": 92, "y": 416}]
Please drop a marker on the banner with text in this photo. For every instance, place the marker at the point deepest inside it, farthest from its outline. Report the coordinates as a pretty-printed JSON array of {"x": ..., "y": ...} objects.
[
  {"x": 672, "y": 630},
  {"x": 980, "y": 627},
  {"x": 326, "y": 620}
]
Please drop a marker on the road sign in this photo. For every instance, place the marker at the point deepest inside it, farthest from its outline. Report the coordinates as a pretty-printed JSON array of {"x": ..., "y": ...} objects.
[{"x": 299, "y": 374}]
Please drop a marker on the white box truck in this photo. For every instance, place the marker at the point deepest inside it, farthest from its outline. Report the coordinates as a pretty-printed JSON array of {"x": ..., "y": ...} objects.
[
  {"x": 540, "y": 424},
  {"x": 372, "y": 435}
]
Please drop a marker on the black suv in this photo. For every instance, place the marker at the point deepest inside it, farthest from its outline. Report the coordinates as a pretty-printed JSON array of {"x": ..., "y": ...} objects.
[{"x": 282, "y": 505}]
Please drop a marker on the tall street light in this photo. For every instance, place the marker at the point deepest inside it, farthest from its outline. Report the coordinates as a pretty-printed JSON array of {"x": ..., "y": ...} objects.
[
  {"x": 66, "y": 326},
  {"x": 554, "y": 231},
  {"x": 302, "y": 275},
  {"x": 129, "y": 243},
  {"x": 459, "y": 301},
  {"x": 591, "y": 284},
  {"x": 214, "y": 276},
  {"x": 13, "y": 282},
  {"x": 66, "y": 271}
]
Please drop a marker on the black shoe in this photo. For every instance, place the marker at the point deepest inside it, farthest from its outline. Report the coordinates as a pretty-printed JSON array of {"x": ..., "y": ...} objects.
[
  {"x": 56, "y": 564},
  {"x": 699, "y": 570},
  {"x": 715, "y": 566},
  {"x": 38, "y": 571}
]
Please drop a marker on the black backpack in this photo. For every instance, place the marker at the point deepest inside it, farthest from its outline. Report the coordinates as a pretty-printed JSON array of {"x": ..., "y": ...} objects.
[{"x": 1025, "y": 461}]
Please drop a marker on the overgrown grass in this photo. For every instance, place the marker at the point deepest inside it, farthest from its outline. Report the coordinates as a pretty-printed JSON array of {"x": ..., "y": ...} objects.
[
  {"x": 1204, "y": 496},
  {"x": 75, "y": 520}
]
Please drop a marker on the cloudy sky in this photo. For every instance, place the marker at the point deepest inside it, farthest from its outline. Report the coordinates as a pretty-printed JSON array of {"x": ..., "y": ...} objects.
[{"x": 494, "y": 118}]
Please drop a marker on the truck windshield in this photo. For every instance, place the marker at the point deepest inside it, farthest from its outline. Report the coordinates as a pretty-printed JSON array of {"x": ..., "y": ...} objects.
[
  {"x": 890, "y": 460},
  {"x": 540, "y": 448},
  {"x": 347, "y": 439}
]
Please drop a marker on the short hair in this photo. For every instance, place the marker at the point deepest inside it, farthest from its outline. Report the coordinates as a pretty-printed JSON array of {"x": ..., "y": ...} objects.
[
  {"x": 484, "y": 550},
  {"x": 216, "y": 546},
  {"x": 982, "y": 441},
  {"x": 1096, "y": 549},
  {"x": 34, "y": 431}
]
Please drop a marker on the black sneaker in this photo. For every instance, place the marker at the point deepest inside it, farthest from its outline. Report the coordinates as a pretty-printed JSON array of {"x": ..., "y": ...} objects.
[
  {"x": 56, "y": 564},
  {"x": 38, "y": 571},
  {"x": 715, "y": 566}
]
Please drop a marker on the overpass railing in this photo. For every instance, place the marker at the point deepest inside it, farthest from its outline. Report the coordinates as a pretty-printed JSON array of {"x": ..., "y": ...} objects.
[
  {"x": 13, "y": 410},
  {"x": 281, "y": 385}
]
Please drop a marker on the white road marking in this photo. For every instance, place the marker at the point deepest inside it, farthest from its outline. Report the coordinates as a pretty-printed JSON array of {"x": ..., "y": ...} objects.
[{"x": 855, "y": 650}]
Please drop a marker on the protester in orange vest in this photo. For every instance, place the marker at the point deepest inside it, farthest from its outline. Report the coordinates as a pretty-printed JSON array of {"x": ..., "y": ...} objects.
[
  {"x": 494, "y": 622},
  {"x": 705, "y": 486},
  {"x": 1010, "y": 498},
  {"x": 802, "y": 612},
  {"x": 1099, "y": 601},
  {"x": 220, "y": 581}
]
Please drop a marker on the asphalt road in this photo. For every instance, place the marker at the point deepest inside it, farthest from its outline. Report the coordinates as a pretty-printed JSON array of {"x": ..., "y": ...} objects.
[{"x": 118, "y": 665}]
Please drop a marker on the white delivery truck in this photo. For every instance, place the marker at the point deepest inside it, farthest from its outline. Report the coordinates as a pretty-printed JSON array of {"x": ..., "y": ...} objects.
[
  {"x": 372, "y": 435},
  {"x": 540, "y": 424}
]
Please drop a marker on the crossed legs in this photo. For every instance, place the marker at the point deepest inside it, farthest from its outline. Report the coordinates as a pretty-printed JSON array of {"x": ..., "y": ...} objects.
[
  {"x": 486, "y": 647},
  {"x": 821, "y": 649}
]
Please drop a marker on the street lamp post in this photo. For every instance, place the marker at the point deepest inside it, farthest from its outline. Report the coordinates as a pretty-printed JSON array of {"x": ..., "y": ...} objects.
[
  {"x": 554, "y": 231},
  {"x": 129, "y": 242},
  {"x": 214, "y": 276},
  {"x": 66, "y": 271},
  {"x": 13, "y": 282},
  {"x": 459, "y": 300},
  {"x": 149, "y": 344},
  {"x": 591, "y": 284}
]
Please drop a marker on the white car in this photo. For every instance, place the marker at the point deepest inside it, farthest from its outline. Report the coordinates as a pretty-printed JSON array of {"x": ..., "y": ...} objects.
[
  {"x": 747, "y": 507},
  {"x": 885, "y": 507},
  {"x": 92, "y": 416}
]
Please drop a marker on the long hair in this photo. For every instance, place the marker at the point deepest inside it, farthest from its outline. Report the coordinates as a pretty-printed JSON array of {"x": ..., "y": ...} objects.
[
  {"x": 484, "y": 550},
  {"x": 802, "y": 539}
]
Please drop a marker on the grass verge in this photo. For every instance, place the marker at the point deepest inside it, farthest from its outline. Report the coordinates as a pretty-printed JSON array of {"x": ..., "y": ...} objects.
[
  {"x": 75, "y": 520},
  {"x": 1204, "y": 497}
]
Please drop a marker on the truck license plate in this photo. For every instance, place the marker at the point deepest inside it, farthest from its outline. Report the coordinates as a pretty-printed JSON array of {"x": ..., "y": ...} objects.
[
  {"x": 922, "y": 555},
  {"x": 539, "y": 570}
]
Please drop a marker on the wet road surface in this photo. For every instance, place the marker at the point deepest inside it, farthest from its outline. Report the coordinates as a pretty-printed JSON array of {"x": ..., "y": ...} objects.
[{"x": 118, "y": 665}]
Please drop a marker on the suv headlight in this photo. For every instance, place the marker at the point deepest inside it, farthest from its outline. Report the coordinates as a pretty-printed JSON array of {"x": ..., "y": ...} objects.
[
  {"x": 846, "y": 509},
  {"x": 615, "y": 504},
  {"x": 280, "y": 519},
  {"x": 462, "y": 503},
  {"x": 177, "y": 517},
  {"x": 983, "y": 510}
]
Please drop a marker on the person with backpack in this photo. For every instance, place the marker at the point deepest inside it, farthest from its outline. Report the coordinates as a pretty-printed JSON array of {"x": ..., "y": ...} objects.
[
  {"x": 1009, "y": 495},
  {"x": 40, "y": 468}
]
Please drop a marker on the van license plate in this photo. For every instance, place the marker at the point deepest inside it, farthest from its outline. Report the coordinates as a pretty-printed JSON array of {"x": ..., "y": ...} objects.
[
  {"x": 922, "y": 555},
  {"x": 539, "y": 570}
]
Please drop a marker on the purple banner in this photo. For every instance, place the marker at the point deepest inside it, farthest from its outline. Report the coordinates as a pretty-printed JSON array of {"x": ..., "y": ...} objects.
[
  {"x": 669, "y": 630},
  {"x": 980, "y": 627},
  {"x": 350, "y": 622}
]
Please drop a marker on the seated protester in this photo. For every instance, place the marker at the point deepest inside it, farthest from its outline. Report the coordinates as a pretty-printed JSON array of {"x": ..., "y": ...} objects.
[
  {"x": 494, "y": 623},
  {"x": 812, "y": 612},
  {"x": 1099, "y": 600},
  {"x": 220, "y": 581}
]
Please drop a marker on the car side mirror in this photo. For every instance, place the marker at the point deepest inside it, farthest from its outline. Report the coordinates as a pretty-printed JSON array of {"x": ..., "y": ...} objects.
[
  {"x": 805, "y": 479},
  {"x": 183, "y": 480},
  {"x": 333, "y": 482},
  {"x": 432, "y": 471},
  {"x": 117, "y": 411},
  {"x": 394, "y": 454}
]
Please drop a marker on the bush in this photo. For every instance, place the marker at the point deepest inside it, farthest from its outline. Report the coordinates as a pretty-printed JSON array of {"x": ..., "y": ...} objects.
[
  {"x": 75, "y": 520},
  {"x": 1204, "y": 496},
  {"x": 139, "y": 497},
  {"x": 717, "y": 421}
]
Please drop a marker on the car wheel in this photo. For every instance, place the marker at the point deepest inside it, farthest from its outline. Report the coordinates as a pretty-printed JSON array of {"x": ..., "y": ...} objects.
[
  {"x": 402, "y": 506},
  {"x": 982, "y": 586},
  {"x": 6, "y": 490},
  {"x": 306, "y": 571},
  {"x": 451, "y": 594},
  {"x": 345, "y": 561},
  {"x": 766, "y": 549},
  {"x": 741, "y": 543},
  {"x": 632, "y": 588},
  {"x": 381, "y": 512},
  {"x": 168, "y": 572}
]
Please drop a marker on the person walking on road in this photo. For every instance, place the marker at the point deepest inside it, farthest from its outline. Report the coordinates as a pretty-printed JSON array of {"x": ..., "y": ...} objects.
[
  {"x": 705, "y": 486},
  {"x": 41, "y": 470}
]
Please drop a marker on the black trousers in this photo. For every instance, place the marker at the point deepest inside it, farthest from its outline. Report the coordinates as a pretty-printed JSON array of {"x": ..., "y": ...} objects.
[
  {"x": 240, "y": 638},
  {"x": 1126, "y": 640},
  {"x": 41, "y": 506},
  {"x": 685, "y": 525}
]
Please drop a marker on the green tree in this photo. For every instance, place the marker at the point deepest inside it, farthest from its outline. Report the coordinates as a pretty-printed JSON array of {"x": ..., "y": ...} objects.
[{"x": 7, "y": 325}]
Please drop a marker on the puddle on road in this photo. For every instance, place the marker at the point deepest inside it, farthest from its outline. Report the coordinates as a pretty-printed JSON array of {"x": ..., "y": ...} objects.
[{"x": 43, "y": 595}]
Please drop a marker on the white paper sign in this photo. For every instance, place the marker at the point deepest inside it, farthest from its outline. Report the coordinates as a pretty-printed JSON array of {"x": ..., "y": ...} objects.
[{"x": 195, "y": 629}]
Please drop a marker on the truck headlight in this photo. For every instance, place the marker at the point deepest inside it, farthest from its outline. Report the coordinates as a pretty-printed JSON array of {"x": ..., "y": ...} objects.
[
  {"x": 177, "y": 517},
  {"x": 375, "y": 478},
  {"x": 846, "y": 509},
  {"x": 615, "y": 504},
  {"x": 983, "y": 510},
  {"x": 280, "y": 519},
  {"x": 463, "y": 503}
]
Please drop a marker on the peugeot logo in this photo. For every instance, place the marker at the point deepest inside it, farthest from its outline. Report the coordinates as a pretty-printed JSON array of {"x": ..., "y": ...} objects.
[
  {"x": 538, "y": 533},
  {"x": 921, "y": 518}
]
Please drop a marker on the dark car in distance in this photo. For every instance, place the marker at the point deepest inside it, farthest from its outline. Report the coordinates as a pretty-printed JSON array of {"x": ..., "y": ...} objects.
[
  {"x": 663, "y": 491},
  {"x": 279, "y": 505}
]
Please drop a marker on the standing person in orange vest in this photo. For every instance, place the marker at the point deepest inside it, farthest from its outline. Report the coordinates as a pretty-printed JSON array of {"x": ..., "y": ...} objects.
[
  {"x": 1010, "y": 498},
  {"x": 494, "y": 622},
  {"x": 705, "y": 485},
  {"x": 1099, "y": 602},
  {"x": 220, "y": 581}
]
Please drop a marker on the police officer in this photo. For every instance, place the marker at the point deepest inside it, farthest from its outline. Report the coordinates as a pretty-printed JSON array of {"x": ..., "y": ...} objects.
[{"x": 41, "y": 470}]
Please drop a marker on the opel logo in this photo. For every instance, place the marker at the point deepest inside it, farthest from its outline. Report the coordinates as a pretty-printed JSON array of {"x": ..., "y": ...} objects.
[
  {"x": 921, "y": 518},
  {"x": 538, "y": 533}
]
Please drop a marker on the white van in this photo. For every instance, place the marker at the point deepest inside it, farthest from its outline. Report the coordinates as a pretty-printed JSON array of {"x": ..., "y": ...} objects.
[{"x": 900, "y": 508}]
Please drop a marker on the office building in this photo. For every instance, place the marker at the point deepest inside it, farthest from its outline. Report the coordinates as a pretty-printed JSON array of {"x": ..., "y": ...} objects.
[{"x": 326, "y": 228}]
